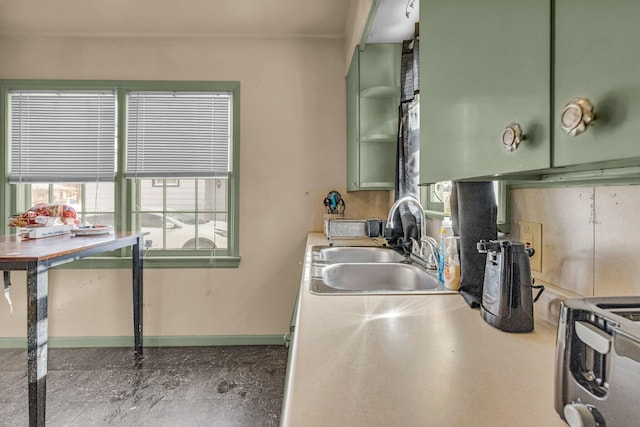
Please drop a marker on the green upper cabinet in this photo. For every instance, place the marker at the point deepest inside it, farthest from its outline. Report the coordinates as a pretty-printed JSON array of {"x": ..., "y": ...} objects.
[
  {"x": 373, "y": 95},
  {"x": 542, "y": 64},
  {"x": 596, "y": 45},
  {"x": 483, "y": 66}
]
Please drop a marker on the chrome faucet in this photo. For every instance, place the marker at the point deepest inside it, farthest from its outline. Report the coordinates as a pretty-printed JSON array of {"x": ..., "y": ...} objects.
[
  {"x": 425, "y": 241},
  {"x": 433, "y": 258}
]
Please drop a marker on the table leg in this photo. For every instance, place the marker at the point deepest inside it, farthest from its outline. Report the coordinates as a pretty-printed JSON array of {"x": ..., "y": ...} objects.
[
  {"x": 37, "y": 328},
  {"x": 136, "y": 258}
]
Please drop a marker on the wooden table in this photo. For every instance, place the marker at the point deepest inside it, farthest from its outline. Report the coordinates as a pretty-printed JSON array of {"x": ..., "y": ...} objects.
[{"x": 36, "y": 257}]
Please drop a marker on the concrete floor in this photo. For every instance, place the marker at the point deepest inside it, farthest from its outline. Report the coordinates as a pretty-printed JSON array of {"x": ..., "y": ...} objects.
[{"x": 171, "y": 386}]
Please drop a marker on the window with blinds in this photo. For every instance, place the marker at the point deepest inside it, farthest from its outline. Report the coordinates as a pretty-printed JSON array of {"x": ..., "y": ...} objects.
[
  {"x": 62, "y": 136},
  {"x": 178, "y": 134},
  {"x": 161, "y": 157}
]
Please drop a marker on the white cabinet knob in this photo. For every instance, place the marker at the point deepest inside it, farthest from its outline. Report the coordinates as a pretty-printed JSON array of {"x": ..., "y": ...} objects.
[{"x": 576, "y": 116}]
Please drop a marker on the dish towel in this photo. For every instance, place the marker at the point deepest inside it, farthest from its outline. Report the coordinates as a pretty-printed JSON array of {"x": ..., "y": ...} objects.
[
  {"x": 473, "y": 216},
  {"x": 405, "y": 227}
]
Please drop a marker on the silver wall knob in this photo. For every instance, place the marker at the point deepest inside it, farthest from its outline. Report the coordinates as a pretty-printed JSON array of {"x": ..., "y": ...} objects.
[
  {"x": 512, "y": 137},
  {"x": 576, "y": 116}
]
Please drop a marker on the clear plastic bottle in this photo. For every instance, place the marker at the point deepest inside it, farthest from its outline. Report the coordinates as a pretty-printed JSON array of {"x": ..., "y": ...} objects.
[
  {"x": 445, "y": 231},
  {"x": 452, "y": 265}
]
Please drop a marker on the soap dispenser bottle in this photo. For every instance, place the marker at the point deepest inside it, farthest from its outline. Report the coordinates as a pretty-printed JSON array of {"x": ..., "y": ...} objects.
[
  {"x": 452, "y": 265},
  {"x": 445, "y": 231}
]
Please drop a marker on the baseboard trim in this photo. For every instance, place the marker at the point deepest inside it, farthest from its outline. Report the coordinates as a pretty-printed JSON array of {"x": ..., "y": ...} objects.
[{"x": 150, "y": 341}]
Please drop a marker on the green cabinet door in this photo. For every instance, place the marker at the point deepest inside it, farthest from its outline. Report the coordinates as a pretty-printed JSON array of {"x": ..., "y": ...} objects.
[
  {"x": 373, "y": 96},
  {"x": 596, "y": 57},
  {"x": 483, "y": 65}
]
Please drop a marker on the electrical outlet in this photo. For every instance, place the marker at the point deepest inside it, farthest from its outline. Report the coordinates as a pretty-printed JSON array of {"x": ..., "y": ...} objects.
[{"x": 531, "y": 235}]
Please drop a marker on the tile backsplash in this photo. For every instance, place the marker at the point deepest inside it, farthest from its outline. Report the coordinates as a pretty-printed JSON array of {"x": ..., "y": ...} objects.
[
  {"x": 358, "y": 205},
  {"x": 590, "y": 236},
  {"x": 590, "y": 241}
]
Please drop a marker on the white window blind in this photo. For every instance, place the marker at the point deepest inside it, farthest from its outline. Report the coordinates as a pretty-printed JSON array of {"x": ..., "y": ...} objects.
[
  {"x": 62, "y": 136},
  {"x": 178, "y": 134}
]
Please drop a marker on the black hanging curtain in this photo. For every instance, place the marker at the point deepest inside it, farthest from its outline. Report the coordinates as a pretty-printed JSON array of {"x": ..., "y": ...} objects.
[{"x": 408, "y": 146}]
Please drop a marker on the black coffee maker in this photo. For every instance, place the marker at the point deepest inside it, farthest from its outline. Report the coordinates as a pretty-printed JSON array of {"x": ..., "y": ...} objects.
[{"x": 507, "y": 301}]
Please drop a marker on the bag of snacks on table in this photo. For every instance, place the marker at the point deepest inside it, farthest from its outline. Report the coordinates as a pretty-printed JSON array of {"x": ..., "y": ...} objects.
[{"x": 65, "y": 213}]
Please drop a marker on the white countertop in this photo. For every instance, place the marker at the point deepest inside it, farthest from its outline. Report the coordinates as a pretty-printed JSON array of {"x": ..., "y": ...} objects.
[{"x": 417, "y": 360}]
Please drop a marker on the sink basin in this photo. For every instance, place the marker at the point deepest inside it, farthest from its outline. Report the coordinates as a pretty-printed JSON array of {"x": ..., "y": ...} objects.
[
  {"x": 374, "y": 278},
  {"x": 345, "y": 254}
]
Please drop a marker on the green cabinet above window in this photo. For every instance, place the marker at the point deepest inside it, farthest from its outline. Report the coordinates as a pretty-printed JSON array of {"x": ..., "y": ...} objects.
[{"x": 373, "y": 95}]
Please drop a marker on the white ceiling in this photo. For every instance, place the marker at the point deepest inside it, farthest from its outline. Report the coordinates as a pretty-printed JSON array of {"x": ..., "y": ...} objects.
[
  {"x": 391, "y": 23},
  {"x": 229, "y": 18},
  {"x": 241, "y": 18}
]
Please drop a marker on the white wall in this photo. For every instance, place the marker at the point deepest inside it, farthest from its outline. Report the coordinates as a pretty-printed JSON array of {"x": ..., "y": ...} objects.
[
  {"x": 356, "y": 23},
  {"x": 292, "y": 152}
]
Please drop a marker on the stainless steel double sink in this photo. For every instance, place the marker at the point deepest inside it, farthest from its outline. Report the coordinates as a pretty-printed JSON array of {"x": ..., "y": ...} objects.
[{"x": 369, "y": 270}]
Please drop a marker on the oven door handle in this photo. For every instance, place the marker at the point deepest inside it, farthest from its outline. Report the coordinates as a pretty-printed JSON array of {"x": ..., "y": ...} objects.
[{"x": 595, "y": 338}]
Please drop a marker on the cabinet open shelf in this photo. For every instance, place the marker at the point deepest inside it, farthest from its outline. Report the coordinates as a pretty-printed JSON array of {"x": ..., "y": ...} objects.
[
  {"x": 379, "y": 138},
  {"x": 381, "y": 92},
  {"x": 373, "y": 96},
  {"x": 377, "y": 185}
]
